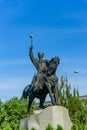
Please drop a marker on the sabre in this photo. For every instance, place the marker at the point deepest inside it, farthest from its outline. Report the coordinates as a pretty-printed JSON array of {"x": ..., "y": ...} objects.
[{"x": 31, "y": 37}]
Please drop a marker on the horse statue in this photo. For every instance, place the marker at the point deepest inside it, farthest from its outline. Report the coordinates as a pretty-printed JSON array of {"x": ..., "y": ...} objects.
[{"x": 49, "y": 86}]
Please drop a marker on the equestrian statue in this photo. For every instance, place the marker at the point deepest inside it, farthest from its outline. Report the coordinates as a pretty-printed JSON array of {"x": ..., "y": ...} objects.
[{"x": 44, "y": 81}]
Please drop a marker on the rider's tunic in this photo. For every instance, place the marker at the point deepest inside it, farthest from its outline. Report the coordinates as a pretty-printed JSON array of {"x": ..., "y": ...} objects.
[{"x": 41, "y": 67}]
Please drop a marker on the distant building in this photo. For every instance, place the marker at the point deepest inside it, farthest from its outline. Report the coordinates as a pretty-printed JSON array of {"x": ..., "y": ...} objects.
[
  {"x": 48, "y": 103},
  {"x": 83, "y": 97}
]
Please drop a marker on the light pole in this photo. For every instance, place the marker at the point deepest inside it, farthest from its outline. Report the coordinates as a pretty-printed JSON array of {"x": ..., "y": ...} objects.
[
  {"x": 84, "y": 96},
  {"x": 77, "y": 72}
]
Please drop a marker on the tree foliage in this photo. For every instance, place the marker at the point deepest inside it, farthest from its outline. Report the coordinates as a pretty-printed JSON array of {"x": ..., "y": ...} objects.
[
  {"x": 77, "y": 107},
  {"x": 74, "y": 127},
  {"x": 12, "y": 111}
]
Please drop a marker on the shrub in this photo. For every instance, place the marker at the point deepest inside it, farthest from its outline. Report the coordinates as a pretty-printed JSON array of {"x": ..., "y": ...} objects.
[
  {"x": 49, "y": 127},
  {"x": 74, "y": 127},
  {"x": 33, "y": 129},
  {"x": 59, "y": 127},
  {"x": 22, "y": 128},
  {"x": 7, "y": 128},
  {"x": 85, "y": 127}
]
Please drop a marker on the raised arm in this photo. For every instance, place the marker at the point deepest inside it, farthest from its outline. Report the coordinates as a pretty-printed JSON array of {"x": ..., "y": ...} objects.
[{"x": 33, "y": 59}]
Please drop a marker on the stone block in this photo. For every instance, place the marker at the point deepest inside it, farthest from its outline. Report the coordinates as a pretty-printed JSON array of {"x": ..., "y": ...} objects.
[{"x": 53, "y": 115}]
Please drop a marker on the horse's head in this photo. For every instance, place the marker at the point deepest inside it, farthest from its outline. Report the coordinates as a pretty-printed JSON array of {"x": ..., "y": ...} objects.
[
  {"x": 55, "y": 61},
  {"x": 53, "y": 65}
]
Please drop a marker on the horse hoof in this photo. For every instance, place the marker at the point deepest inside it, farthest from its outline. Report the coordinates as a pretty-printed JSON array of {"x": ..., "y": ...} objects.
[
  {"x": 53, "y": 103},
  {"x": 43, "y": 107}
]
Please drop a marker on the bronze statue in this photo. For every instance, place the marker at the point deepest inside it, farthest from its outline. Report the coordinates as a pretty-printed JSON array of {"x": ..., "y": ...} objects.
[
  {"x": 47, "y": 86},
  {"x": 44, "y": 82}
]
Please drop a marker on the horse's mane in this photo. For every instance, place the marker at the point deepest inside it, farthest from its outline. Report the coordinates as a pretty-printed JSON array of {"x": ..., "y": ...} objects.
[{"x": 53, "y": 65}]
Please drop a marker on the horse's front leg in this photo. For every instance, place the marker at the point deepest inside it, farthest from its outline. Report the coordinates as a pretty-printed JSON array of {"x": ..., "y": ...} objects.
[
  {"x": 50, "y": 93},
  {"x": 42, "y": 100},
  {"x": 55, "y": 91}
]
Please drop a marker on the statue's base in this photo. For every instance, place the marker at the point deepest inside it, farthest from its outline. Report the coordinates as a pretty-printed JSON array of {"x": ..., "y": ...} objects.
[{"x": 53, "y": 115}]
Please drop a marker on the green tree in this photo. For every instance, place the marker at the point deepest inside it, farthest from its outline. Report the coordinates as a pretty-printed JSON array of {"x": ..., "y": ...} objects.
[
  {"x": 64, "y": 91},
  {"x": 12, "y": 111},
  {"x": 77, "y": 108}
]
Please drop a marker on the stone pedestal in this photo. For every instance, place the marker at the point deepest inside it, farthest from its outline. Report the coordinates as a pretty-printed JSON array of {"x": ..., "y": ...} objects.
[{"x": 53, "y": 115}]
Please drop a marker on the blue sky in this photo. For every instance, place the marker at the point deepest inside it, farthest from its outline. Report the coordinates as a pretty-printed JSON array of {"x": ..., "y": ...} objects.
[{"x": 59, "y": 28}]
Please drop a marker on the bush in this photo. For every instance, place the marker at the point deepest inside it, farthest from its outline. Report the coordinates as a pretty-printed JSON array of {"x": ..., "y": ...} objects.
[
  {"x": 49, "y": 127},
  {"x": 12, "y": 111},
  {"x": 7, "y": 128},
  {"x": 33, "y": 129},
  {"x": 85, "y": 127},
  {"x": 74, "y": 127},
  {"x": 22, "y": 128},
  {"x": 59, "y": 127}
]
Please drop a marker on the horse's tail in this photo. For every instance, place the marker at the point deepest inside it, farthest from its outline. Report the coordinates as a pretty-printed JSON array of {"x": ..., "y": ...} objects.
[{"x": 25, "y": 92}]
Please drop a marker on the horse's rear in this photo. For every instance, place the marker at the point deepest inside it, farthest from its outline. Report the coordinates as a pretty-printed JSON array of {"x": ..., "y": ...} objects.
[{"x": 25, "y": 92}]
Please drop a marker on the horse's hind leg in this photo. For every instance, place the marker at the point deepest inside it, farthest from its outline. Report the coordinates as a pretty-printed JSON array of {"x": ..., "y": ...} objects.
[{"x": 30, "y": 102}]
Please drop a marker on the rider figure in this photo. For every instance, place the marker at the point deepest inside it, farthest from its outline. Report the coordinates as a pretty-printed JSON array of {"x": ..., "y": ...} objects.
[{"x": 41, "y": 66}]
